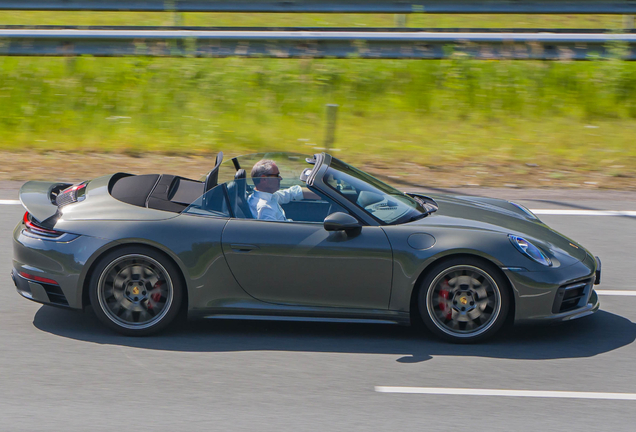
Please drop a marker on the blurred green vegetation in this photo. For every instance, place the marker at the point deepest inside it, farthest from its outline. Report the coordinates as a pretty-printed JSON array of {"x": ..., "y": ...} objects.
[
  {"x": 321, "y": 20},
  {"x": 300, "y": 19},
  {"x": 430, "y": 112}
]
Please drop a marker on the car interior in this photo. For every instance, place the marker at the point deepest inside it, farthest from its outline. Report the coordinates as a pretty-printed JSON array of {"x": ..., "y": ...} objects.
[
  {"x": 175, "y": 194},
  {"x": 241, "y": 187}
]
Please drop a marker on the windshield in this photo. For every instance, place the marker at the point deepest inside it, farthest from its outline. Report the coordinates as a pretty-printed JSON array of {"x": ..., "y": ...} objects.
[{"x": 380, "y": 200}]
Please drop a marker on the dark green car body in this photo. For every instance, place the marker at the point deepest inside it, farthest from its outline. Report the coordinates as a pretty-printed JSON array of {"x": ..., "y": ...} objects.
[{"x": 233, "y": 266}]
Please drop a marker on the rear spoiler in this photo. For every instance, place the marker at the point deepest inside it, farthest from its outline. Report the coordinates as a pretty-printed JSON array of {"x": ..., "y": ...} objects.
[{"x": 38, "y": 198}]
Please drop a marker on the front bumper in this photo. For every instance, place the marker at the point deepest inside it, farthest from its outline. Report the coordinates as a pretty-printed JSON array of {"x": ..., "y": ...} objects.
[
  {"x": 542, "y": 297},
  {"x": 592, "y": 306}
]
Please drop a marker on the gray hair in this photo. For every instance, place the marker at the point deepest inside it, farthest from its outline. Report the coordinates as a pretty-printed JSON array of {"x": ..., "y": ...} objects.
[{"x": 262, "y": 168}]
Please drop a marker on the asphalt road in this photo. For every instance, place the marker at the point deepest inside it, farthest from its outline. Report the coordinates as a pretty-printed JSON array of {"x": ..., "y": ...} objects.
[{"x": 62, "y": 371}]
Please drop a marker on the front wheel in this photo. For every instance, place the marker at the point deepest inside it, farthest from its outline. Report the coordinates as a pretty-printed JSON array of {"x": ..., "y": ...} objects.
[
  {"x": 135, "y": 291},
  {"x": 464, "y": 300}
]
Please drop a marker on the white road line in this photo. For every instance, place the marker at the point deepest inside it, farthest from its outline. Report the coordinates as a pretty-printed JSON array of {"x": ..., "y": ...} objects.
[
  {"x": 616, "y": 293},
  {"x": 558, "y": 212},
  {"x": 553, "y": 212},
  {"x": 506, "y": 393}
]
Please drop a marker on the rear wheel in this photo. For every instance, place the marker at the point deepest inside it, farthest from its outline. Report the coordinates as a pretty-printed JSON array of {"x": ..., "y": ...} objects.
[
  {"x": 136, "y": 291},
  {"x": 464, "y": 300}
]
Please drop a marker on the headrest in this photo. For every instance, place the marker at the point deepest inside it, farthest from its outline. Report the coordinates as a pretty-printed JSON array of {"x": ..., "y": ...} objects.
[{"x": 213, "y": 176}]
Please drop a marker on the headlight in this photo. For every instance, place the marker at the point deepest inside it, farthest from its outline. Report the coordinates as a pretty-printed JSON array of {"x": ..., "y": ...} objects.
[
  {"x": 525, "y": 210},
  {"x": 530, "y": 250}
]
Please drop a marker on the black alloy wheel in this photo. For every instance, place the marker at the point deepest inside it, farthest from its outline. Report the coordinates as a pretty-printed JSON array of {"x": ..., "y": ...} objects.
[
  {"x": 464, "y": 300},
  {"x": 136, "y": 291}
]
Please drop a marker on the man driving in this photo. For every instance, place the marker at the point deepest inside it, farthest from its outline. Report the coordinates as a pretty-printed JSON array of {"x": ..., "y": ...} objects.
[{"x": 265, "y": 202}]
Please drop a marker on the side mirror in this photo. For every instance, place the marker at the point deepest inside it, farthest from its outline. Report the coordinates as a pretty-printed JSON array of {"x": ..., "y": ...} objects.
[{"x": 341, "y": 222}]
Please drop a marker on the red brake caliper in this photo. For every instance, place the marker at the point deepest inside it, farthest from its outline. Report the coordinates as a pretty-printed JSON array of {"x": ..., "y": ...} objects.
[
  {"x": 155, "y": 296},
  {"x": 443, "y": 299}
]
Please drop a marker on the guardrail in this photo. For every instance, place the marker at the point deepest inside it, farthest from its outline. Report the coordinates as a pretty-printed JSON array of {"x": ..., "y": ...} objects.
[
  {"x": 319, "y": 29},
  {"x": 298, "y": 44},
  {"x": 336, "y": 6}
]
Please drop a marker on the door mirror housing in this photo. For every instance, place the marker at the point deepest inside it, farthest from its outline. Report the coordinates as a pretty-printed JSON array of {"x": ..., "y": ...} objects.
[{"x": 341, "y": 222}]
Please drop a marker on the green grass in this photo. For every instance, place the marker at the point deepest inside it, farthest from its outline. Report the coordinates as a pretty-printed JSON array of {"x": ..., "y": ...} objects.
[
  {"x": 293, "y": 19},
  {"x": 429, "y": 112}
]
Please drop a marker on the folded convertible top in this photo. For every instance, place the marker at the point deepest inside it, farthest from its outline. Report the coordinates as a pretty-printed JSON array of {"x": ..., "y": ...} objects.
[{"x": 156, "y": 191}]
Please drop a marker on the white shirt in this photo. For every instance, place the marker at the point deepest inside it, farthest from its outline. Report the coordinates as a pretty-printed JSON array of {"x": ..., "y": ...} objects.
[{"x": 266, "y": 206}]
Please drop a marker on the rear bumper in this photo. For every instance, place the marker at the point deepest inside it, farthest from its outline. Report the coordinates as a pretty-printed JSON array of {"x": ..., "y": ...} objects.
[
  {"x": 39, "y": 292},
  {"x": 55, "y": 270}
]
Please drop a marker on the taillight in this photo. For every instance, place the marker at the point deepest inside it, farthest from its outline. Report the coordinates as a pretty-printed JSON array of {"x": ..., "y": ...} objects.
[
  {"x": 37, "y": 278},
  {"x": 33, "y": 226},
  {"x": 71, "y": 194}
]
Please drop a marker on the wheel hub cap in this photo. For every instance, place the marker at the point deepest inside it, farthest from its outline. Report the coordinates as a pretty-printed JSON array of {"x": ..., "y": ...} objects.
[
  {"x": 136, "y": 291},
  {"x": 464, "y": 301}
]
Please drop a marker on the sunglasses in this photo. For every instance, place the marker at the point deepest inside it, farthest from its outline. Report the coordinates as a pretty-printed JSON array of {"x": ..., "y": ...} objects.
[{"x": 273, "y": 175}]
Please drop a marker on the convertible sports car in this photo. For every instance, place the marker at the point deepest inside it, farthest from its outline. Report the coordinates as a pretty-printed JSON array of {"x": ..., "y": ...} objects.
[{"x": 140, "y": 248}]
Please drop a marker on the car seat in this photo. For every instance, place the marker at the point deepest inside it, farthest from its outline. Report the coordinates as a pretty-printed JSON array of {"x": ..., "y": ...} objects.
[{"x": 237, "y": 191}]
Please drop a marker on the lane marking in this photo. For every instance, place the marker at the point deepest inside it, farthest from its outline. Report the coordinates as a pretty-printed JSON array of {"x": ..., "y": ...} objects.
[
  {"x": 616, "y": 293},
  {"x": 552, "y": 212},
  {"x": 558, "y": 212},
  {"x": 506, "y": 393}
]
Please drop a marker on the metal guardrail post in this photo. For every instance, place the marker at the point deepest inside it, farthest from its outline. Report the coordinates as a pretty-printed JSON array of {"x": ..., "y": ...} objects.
[
  {"x": 401, "y": 20},
  {"x": 172, "y": 6},
  {"x": 330, "y": 133}
]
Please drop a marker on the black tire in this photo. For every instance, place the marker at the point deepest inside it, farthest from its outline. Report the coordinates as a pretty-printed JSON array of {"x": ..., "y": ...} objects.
[
  {"x": 136, "y": 291},
  {"x": 472, "y": 309}
]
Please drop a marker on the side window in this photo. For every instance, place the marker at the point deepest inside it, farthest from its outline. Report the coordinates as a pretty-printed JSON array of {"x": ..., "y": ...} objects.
[
  {"x": 211, "y": 203},
  {"x": 308, "y": 206},
  {"x": 312, "y": 208}
]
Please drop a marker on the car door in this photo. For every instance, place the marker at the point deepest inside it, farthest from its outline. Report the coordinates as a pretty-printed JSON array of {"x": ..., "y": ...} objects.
[{"x": 300, "y": 263}]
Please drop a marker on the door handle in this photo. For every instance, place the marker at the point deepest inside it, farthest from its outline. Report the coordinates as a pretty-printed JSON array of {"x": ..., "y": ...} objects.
[{"x": 243, "y": 247}]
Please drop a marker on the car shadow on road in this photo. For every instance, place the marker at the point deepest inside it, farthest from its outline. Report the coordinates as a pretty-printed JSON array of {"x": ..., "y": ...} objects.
[{"x": 587, "y": 337}]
